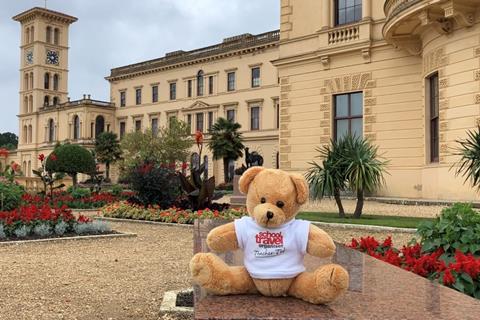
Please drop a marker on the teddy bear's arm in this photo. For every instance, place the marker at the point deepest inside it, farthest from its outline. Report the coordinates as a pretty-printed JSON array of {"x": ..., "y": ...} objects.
[
  {"x": 320, "y": 244},
  {"x": 223, "y": 238}
]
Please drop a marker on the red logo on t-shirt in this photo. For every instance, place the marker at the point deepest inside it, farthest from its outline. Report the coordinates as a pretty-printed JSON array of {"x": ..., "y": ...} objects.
[{"x": 267, "y": 237}]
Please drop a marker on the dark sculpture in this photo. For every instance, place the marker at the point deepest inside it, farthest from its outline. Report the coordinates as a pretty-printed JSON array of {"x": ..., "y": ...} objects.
[{"x": 251, "y": 160}]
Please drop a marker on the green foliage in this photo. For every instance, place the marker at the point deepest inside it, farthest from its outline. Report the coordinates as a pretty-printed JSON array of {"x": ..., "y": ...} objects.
[
  {"x": 71, "y": 159},
  {"x": 8, "y": 140},
  {"x": 176, "y": 141},
  {"x": 468, "y": 166},
  {"x": 79, "y": 193},
  {"x": 116, "y": 190},
  {"x": 107, "y": 150},
  {"x": 10, "y": 195},
  {"x": 456, "y": 228}
]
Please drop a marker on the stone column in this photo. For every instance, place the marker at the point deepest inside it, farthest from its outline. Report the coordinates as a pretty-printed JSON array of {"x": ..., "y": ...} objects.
[
  {"x": 366, "y": 9},
  {"x": 326, "y": 14}
]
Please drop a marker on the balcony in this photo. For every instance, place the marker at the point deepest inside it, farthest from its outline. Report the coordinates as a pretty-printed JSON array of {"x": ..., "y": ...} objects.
[{"x": 406, "y": 20}]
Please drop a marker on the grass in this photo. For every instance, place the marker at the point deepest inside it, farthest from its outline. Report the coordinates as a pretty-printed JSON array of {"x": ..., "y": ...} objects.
[{"x": 371, "y": 220}]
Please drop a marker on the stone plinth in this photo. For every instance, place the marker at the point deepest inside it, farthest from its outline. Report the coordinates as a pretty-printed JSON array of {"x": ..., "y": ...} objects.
[
  {"x": 377, "y": 291},
  {"x": 237, "y": 199}
]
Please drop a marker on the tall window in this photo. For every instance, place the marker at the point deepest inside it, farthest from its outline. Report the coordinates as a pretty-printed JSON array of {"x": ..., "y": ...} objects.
[
  {"x": 55, "y": 82},
  {"x": 76, "y": 128},
  {"x": 199, "y": 126},
  {"x": 55, "y": 101},
  {"x": 32, "y": 34},
  {"x": 277, "y": 113},
  {"x": 210, "y": 85},
  {"x": 46, "y": 81},
  {"x": 200, "y": 83},
  {"x": 30, "y": 103},
  {"x": 99, "y": 125},
  {"x": 24, "y": 134},
  {"x": 433, "y": 117},
  {"x": 46, "y": 101},
  {"x": 122, "y": 129},
  {"x": 25, "y": 81},
  {"x": 138, "y": 96},
  {"x": 189, "y": 122},
  {"x": 27, "y": 35},
  {"x": 348, "y": 11},
  {"x": 155, "y": 94},
  {"x": 48, "y": 36},
  {"x": 171, "y": 121},
  {"x": 31, "y": 80},
  {"x": 173, "y": 91},
  {"x": 56, "y": 36},
  {"x": 231, "y": 81},
  {"x": 254, "y": 118},
  {"x": 123, "y": 98},
  {"x": 154, "y": 126},
  {"x": 138, "y": 125},
  {"x": 231, "y": 115},
  {"x": 30, "y": 133},
  {"x": 255, "y": 77},
  {"x": 189, "y": 88},
  {"x": 51, "y": 130},
  {"x": 348, "y": 114},
  {"x": 210, "y": 120}
]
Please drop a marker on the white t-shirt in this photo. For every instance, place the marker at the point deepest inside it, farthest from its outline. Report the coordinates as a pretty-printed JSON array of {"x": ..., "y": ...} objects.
[{"x": 273, "y": 253}]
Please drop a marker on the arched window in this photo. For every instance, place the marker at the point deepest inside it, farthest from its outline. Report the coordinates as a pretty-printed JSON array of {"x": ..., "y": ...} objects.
[
  {"x": 24, "y": 134},
  {"x": 29, "y": 171},
  {"x": 24, "y": 167},
  {"x": 27, "y": 35},
  {"x": 200, "y": 83},
  {"x": 49, "y": 34},
  {"x": 46, "y": 81},
  {"x": 55, "y": 82},
  {"x": 30, "y": 134},
  {"x": 32, "y": 34},
  {"x": 55, "y": 101},
  {"x": 46, "y": 101},
  {"x": 76, "y": 127},
  {"x": 56, "y": 36},
  {"x": 25, "y": 81},
  {"x": 25, "y": 105},
  {"x": 31, "y": 80},
  {"x": 51, "y": 130},
  {"x": 30, "y": 104},
  {"x": 99, "y": 125}
]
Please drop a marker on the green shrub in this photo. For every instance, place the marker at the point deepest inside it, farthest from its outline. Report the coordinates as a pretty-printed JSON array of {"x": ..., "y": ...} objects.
[
  {"x": 71, "y": 159},
  {"x": 116, "y": 190},
  {"x": 457, "y": 228},
  {"x": 79, "y": 193},
  {"x": 10, "y": 195}
]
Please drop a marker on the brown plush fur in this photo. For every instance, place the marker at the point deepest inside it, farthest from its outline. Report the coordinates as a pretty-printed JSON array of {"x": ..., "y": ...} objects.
[{"x": 323, "y": 285}]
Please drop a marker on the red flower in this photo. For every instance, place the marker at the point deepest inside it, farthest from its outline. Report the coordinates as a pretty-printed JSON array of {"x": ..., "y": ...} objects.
[
  {"x": 184, "y": 166},
  {"x": 387, "y": 242},
  {"x": 448, "y": 278},
  {"x": 4, "y": 152},
  {"x": 41, "y": 157},
  {"x": 199, "y": 137},
  {"x": 15, "y": 166},
  {"x": 53, "y": 157}
]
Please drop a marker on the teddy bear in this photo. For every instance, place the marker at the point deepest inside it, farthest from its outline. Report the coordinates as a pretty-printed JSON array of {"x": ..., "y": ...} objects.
[{"x": 274, "y": 244}]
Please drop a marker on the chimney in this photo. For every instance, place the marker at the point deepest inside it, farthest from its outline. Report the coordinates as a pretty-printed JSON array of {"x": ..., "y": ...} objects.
[
  {"x": 68, "y": 99},
  {"x": 84, "y": 96},
  {"x": 88, "y": 97}
]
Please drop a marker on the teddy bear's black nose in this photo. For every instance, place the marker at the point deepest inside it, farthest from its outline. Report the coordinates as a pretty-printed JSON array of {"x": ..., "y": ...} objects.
[{"x": 269, "y": 215}]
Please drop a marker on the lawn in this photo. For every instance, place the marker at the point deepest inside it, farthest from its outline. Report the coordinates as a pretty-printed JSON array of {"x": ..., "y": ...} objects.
[{"x": 373, "y": 220}]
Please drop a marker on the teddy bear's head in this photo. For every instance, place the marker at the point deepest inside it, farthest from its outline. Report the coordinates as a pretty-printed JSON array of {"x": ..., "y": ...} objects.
[{"x": 273, "y": 196}]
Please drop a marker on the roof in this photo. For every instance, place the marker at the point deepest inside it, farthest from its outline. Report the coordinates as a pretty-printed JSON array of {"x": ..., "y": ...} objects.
[
  {"x": 241, "y": 43},
  {"x": 47, "y": 13}
]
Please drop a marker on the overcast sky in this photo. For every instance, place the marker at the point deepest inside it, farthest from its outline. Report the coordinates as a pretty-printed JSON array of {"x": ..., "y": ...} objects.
[{"x": 112, "y": 33}]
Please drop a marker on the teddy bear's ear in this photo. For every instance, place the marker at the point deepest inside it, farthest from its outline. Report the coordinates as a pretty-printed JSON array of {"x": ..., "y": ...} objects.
[
  {"x": 247, "y": 177},
  {"x": 301, "y": 187}
]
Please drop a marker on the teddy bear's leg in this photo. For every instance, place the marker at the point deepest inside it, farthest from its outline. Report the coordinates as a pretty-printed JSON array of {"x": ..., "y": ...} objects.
[
  {"x": 212, "y": 273},
  {"x": 321, "y": 286}
]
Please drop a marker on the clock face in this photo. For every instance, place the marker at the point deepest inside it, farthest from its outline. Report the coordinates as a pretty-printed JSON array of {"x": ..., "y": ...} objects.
[
  {"x": 29, "y": 57},
  {"x": 52, "y": 57}
]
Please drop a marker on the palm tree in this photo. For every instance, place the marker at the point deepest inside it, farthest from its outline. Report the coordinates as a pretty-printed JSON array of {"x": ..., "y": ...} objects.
[
  {"x": 226, "y": 143},
  {"x": 107, "y": 149},
  {"x": 327, "y": 178},
  {"x": 468, "y": 166},
  {"x": 363, "y": 168}
]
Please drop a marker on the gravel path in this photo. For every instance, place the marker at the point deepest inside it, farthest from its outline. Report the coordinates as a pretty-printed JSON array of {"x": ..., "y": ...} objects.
[{"x": 105, "y": 279}]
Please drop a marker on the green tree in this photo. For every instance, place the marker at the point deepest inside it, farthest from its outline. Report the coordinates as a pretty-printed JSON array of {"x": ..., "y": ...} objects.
[
  {"x": 71, "y": 159},
  {"x": 226, "y": 142},
  {"x": 8, "y": 140},
  {"x": 107, "y": 150},
  {"x": 468, "y": 165},
  {"x": 176, "y": 141}
]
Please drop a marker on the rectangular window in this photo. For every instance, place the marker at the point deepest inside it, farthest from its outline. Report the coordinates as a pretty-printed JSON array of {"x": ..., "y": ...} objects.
[
  {"x": 138, "y": 96},
  {"x": 348, "y": 11},
  {"x": 277, "y": 111},
  {"x": 138, "y": 125},
  {"x": 189, "y": 88},
  {"x": 189, "y": 122},
  {"x": 210, "y": 120},
  {"x": 231, "y": 81},
  {"x": 199, "y": 125},
  {"x": 155, "y": 94},
  {"x": 348, "y": 115},
  {"x": 108, "y": 127},
  {"x": 231, "y": 115},
  {"x": 434, "y": 107},
  {"x": 171, "y": 120},
  {"x": 255, "y": 77},
  {"x": 123, "y": 99},
  {"x": 254, "y": 118},
  {"x": 210, "y": 85},
  {"x": 154, "y": 126},
  {"x": 122, "y": 129},
  {"x": 92, "y": 129},
  {"x": 173, "y": 91}
]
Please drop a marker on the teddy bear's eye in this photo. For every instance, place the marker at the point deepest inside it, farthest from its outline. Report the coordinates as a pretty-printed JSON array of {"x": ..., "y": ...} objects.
[
  {"x": 280, "y": 204},
  {"x": 263, "y": 200}
]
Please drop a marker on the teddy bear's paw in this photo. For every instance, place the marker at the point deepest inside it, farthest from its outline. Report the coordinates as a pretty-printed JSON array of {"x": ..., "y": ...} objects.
[
  {"x": 331, "y": 281},
  {"x": 201, "y": 268}
]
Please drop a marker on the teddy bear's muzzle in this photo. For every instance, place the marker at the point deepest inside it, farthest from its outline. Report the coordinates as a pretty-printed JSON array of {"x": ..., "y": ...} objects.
[{"x": 268, "y": 215}]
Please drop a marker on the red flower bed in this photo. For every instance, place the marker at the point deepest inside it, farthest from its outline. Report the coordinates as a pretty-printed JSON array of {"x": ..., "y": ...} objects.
[
  {"x": 461, "y": 272},
  {"x": 32, "y": 213},
  {"x": 61, "y": 198}
]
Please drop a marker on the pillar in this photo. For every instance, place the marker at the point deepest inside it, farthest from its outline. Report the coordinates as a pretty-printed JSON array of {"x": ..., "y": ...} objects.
[
  {"x": 366, "y": 9},
  {"x": 326, "y": 14}
]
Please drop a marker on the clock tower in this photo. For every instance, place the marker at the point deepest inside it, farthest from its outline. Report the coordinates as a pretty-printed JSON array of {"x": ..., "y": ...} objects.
[{"x": 43, "y": 74}]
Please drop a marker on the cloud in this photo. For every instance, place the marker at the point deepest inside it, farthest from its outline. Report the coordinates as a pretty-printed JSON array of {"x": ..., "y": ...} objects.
[{"x": 112, "y": 33}]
